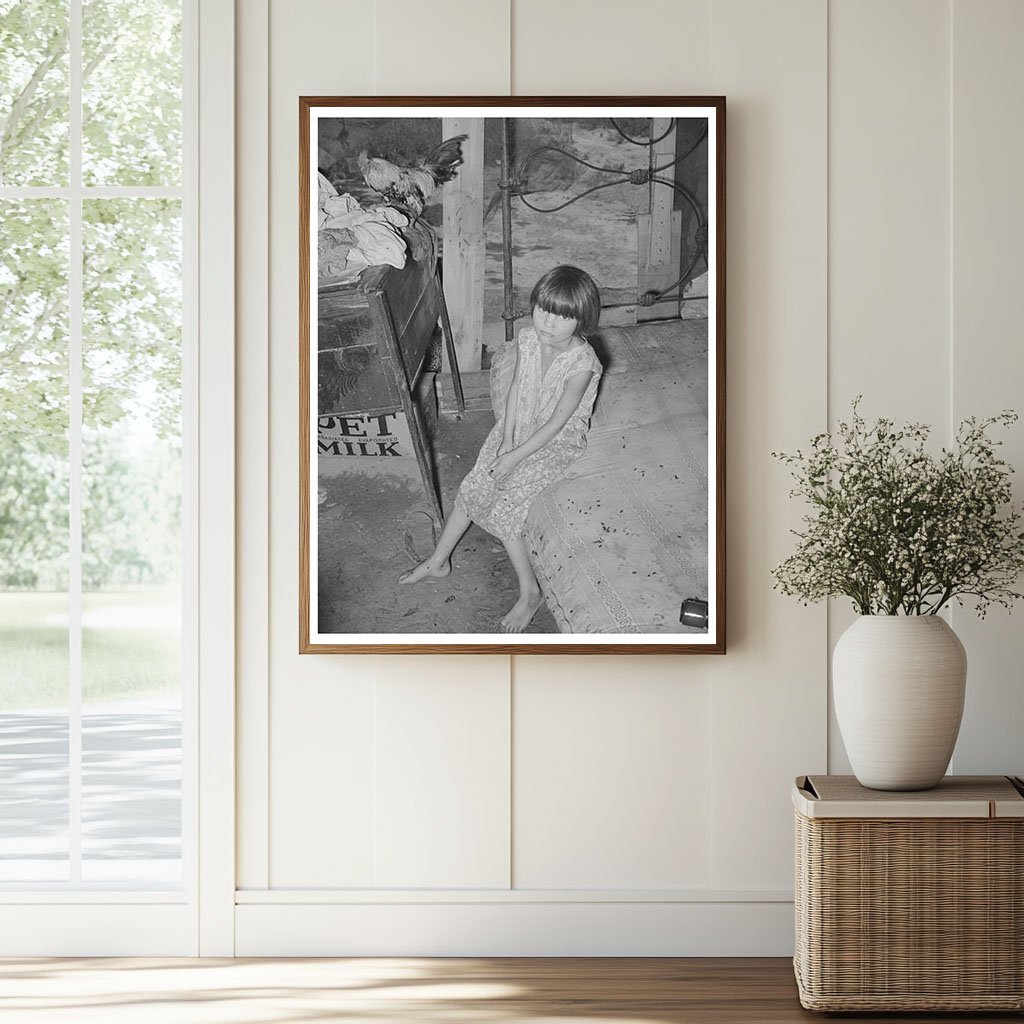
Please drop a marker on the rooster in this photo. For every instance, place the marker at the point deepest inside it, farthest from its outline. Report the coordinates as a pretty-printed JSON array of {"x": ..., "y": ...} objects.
[{"x": 411, "y": 187}]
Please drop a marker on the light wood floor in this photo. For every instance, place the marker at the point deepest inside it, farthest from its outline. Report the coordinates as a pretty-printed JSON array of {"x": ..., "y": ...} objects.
[{"x": 412, "y": 991}]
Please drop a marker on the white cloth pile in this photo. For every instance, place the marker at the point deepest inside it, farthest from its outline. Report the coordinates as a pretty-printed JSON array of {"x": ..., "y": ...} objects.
[{"x": 350, "y": 238}]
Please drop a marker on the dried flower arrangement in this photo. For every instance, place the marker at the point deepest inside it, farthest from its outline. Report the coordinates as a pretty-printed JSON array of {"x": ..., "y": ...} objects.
[{"x": 900, "y": 530}]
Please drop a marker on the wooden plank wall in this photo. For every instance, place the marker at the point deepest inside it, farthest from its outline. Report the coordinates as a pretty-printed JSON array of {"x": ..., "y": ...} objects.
[
  {"x": 658, "y": 260},
  {"x": 463, "y": 263}
]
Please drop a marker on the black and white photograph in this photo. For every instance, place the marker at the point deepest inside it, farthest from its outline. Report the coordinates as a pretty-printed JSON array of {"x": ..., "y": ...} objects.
[{"x": 512, "y": 375}]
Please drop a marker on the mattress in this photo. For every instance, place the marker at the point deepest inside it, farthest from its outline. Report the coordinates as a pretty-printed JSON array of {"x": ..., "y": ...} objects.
[{"x": 622, "y": 542}]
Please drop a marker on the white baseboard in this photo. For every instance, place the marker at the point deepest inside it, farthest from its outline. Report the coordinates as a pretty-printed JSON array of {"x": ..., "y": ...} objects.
[
  {"x": 99, "y": 928},
  {"x": 514, "y": 928}
]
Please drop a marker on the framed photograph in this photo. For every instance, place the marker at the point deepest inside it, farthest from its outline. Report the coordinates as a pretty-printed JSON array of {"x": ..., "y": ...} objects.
[{"x": 512, "y": 375}]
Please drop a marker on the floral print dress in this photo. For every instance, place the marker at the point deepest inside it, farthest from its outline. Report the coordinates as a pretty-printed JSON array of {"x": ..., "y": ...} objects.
[{"x": 501, "y": 508}]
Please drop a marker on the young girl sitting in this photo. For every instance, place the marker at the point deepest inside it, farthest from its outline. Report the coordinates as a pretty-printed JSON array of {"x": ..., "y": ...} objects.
[{"x": 542, "y": 431}]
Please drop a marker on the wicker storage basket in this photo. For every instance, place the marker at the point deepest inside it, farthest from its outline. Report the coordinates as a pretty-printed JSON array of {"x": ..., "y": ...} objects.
[{"x": 910, "y": 901}]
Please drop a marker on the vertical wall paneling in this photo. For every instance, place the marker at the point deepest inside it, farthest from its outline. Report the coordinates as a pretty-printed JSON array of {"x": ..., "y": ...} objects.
[
  {"x": 442, "y": 773},
  {"x": 323, "y": 761},
  {"x": 610, "y": 781},
  {"x": 889, "y": 245},
  {"x": 769, "y": 692},
  {"x": 579, "y": 48},
  {"x": 252, "y": 460},
  {"x": 612, "y": 778},
  {"x": 889, "y": 209},
  {"x": 847, "y": 273},
  {"x": 321, "y": 708},
  {"x": 442, "y": 48},
  {"x": 442, "y": 724},
  {"x": 987, "y": 368},
  {"x": 326, "y": 722}
]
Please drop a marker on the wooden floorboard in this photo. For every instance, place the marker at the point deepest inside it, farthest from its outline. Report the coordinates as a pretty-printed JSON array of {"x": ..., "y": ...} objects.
[{"x": 414, "y": 991}]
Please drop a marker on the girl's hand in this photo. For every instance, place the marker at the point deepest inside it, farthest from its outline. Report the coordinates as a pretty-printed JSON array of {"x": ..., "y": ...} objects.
[
  {"x": 503, "y": 466},
  {"x": 504, "y": 448}
]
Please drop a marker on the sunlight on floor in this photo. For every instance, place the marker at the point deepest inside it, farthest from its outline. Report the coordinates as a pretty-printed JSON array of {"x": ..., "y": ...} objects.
[{"x": 162, "y": 991}]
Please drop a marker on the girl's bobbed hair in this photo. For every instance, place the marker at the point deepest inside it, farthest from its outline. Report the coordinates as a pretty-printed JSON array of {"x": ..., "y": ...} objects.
[{"x": 569, "y": 291}]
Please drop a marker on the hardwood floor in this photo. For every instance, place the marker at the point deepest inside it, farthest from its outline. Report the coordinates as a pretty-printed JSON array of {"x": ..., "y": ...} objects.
[{"x": 413, "y": 991}]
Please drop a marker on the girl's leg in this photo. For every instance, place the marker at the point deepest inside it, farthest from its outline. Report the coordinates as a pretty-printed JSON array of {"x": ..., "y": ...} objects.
[
  {"x": 520, "y": 614},
  {"x": 439, "y": 565}
]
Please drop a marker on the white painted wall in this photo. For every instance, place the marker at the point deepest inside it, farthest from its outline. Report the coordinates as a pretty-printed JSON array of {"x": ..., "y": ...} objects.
[{"x": 544, "y": 805}]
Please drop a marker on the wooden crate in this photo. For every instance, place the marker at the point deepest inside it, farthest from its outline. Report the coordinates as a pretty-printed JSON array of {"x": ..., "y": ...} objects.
[
  {"x": 476, "y": 389},
  {"x": 910, "y": 901},
  {"x": 377, "y": 356}
]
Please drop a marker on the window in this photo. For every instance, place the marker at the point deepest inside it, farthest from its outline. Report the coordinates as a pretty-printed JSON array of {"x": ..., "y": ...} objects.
[{"x": 95, "y": 455}]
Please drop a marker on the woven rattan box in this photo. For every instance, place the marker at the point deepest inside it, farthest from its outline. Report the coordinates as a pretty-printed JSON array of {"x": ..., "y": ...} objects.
[{"x": 910, "y": 901}]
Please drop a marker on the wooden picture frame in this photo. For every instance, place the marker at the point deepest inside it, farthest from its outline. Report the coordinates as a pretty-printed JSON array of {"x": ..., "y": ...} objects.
[{"x": 628, "y": 543}]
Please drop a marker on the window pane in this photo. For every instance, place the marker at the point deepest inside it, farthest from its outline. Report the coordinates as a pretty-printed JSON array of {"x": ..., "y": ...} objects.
[
  {"x": 33, "y": 92},
  {"x": 131, "y": 92},
  {"x": 33, "y": 540},
  {"x": 131, "y": 541},
  {"x": 34, "y": 805},
  {"x": 131, "y": 751}
]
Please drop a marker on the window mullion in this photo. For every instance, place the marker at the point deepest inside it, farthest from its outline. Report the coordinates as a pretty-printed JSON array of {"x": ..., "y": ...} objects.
[{"x": 75, "y": 332}]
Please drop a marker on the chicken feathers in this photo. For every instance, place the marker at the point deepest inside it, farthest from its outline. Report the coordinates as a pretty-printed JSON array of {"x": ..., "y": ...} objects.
[{"x": 411, "y": 187}]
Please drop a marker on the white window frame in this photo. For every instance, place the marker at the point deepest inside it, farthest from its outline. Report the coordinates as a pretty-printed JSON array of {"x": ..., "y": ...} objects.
[
  {"x": 216, "y": 392},
  {"x": 73, "y": 918}
]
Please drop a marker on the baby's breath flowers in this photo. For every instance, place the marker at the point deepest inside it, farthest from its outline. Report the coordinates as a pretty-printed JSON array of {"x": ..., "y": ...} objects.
[{"x": 900, "y": 530}]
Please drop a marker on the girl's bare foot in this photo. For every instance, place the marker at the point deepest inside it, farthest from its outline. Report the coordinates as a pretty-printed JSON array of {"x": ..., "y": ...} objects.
[
  {"x": 522, "y": 612},
  {"x": 426, "y": 570}
]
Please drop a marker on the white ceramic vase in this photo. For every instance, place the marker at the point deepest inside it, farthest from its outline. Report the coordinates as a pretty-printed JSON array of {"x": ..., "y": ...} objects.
[{"x": 898, "y": 684}]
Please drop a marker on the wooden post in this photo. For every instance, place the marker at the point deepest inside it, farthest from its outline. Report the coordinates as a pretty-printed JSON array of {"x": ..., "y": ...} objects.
[
  {"x": 464, "y": 245},
  {"x": 658, "y": 233}
]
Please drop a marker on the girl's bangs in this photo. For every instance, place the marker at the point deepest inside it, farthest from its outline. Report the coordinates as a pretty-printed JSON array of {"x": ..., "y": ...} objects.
[{"x": 553, "y": 300}]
